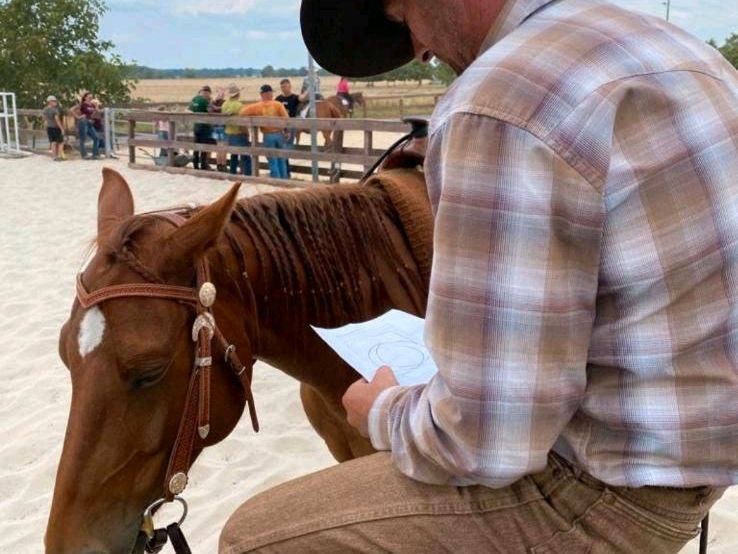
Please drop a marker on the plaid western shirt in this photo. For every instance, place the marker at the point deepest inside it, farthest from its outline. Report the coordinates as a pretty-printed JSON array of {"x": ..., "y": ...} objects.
[{"x": 584, "y": 178}]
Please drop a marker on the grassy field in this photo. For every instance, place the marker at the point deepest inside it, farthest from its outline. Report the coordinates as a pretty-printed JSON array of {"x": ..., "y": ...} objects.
[{"x": 383, "y": 97}]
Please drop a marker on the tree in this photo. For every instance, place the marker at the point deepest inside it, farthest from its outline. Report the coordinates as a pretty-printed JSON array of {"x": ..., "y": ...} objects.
[
  {"x": 416, "y": 71},
  {"x": 442, "y": 72},
  {"x": 729, "y": 49},
  {"x": 52, "y": 47}
]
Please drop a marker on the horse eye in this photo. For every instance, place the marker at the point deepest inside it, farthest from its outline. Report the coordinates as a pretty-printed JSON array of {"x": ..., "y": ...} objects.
[{"x": 148, "y": 379}]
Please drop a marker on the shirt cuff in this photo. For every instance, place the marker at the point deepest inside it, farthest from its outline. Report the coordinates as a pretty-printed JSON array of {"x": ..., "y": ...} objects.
[{"x": 378, "y": 421}]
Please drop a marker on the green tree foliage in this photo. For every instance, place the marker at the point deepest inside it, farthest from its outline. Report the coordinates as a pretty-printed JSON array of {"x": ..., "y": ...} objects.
[
  {"x": 729, "y": 49},
  {"x": 52, "y": 47},
  {"x": 416, "y": 71}
]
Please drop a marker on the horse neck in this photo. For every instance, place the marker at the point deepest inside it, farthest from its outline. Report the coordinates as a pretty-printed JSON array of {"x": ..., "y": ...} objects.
[{"x": 324, "y": 258}]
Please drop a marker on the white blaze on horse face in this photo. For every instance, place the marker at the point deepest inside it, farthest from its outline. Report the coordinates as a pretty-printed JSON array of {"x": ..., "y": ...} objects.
[{"x": 91, "y": 331}]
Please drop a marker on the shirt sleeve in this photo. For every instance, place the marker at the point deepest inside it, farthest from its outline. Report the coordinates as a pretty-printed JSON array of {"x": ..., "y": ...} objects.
[
  {"x": 510, "y": 312},
  {"x": 251, "y": 110}
]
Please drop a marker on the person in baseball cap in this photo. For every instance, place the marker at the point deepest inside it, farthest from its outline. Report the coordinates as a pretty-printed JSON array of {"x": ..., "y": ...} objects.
[{"x": 354, "y": 38}]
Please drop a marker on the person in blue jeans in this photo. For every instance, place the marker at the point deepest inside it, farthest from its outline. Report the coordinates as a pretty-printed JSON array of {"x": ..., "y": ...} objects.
[
  {"x": 235, "y": 134},
  {"x": 274, "y": 137},
  {"x": 277, "y": 166},
  {"x": 85, "y": 128}
]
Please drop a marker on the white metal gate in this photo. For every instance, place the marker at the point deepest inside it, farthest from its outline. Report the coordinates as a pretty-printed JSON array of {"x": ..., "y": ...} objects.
[{"x": 9, "y": 141}]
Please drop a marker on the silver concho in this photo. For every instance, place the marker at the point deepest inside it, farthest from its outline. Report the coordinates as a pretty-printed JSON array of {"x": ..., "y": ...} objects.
[
  {"x": 207, "y": 294},
  {"x": 177, "y": 483},
  {"x": 203, "y": 431},
  {"x": 204, "y": 321}
]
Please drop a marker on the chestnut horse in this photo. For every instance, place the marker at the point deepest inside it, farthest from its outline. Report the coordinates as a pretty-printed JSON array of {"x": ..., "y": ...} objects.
[
  {"x": 331, "y": 108},
  {"x": 280, "y": 262}
]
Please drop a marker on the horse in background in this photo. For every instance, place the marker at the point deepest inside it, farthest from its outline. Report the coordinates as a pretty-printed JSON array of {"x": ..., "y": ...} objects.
[
  {"x": 346, "y": 106},
  {"x": 332, "y": 107},
  {"x": 280, "y": 262}
]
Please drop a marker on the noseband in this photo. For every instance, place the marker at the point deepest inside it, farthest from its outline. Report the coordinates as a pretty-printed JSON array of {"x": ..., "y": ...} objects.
[{"x": 196, "y": 414}]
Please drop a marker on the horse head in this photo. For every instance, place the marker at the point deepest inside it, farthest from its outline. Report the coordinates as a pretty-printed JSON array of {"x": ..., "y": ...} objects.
[
  {"x": 130, "y": 361},
  {"x": 358, "y": 98}
]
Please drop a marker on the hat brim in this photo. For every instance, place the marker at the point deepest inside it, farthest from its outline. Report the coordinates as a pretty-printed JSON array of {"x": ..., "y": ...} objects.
[{"x": 354, "y": 38}]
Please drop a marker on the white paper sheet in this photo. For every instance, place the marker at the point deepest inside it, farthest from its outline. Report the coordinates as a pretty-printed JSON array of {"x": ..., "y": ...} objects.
[{"x": 394, "y": 339}]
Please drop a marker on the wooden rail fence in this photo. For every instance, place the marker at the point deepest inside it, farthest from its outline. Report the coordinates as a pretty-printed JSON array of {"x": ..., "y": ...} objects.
[
  {"x": 179, "y": 126},
  {"x": 337, "y": 155}
]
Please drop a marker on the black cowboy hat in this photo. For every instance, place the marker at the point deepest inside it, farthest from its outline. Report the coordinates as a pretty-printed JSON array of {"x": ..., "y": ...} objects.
[{"x": 354, "y": 38}]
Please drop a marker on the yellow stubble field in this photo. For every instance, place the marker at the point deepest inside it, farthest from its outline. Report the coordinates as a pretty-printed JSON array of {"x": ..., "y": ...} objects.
[{"x": 182, "y": 90}]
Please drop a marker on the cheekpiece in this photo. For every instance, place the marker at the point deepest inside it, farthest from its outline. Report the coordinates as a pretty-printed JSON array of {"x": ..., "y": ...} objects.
[{"x": 203, "y": 321}]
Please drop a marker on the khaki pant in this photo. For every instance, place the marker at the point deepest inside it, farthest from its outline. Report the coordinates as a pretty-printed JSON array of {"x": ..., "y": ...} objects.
[{"x": 366, "y": 505}]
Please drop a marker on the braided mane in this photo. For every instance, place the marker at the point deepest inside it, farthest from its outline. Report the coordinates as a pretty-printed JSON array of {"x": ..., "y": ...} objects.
[{"x": 335, "y": 236}]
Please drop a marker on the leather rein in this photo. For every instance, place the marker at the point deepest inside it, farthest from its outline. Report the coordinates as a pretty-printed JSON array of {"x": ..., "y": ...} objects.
[{"x": 196, "y": 413}]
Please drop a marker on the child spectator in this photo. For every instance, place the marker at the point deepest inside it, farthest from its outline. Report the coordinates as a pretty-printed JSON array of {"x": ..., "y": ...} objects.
[
  {"x": 274, "y": 137},
  {"x": 162, "y": 130},
  {"x": 235, "y": 134},
  {"x": 52, "y": 116}
]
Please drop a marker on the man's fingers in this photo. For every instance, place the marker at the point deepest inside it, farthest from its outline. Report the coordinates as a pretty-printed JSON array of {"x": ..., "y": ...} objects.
[{"x": 385, "y": 377}]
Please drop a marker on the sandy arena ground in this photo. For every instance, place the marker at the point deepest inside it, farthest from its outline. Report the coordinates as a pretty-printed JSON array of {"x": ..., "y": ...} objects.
[{"x": 47, "y": 219}]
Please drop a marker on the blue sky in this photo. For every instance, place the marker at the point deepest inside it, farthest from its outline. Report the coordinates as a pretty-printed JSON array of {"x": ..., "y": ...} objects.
[{"x": 255, "y": 33}]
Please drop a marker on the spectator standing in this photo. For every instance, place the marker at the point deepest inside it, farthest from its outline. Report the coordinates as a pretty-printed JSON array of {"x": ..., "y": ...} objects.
[
  {"x": 162, "y": 130},
  {"x": 274, "y": 137},
  {"x": 291, "y": 103},
  {"x": 97, "y": 122},
  {"x": 235, "y": 134},
  {"x": 85, "y": 127},
  {"x": 52, "y": 117},
  {"x": 219, "y": 130},
  {"x": 288, "y": 98},
  {"x": 203, "y": 131}
]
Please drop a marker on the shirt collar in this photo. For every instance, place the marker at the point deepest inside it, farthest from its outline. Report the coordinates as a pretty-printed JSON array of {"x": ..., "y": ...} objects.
[{"x": 513, "y": 14}]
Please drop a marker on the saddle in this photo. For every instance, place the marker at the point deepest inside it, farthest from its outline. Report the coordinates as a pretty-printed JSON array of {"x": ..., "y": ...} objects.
[
  {"x": 407, "y": 192},
  {"x": 400, "y": 175}
]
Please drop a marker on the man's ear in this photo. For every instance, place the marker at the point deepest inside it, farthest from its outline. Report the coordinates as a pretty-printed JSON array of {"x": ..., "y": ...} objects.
[
  {"x": 202, "y": 231},
  {"x": 114, "y": 204}
]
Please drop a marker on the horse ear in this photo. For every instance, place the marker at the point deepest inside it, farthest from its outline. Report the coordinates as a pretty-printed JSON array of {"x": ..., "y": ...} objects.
[
  {"x": 114, "y": 203},
  {"x": 201, "y": 231}
]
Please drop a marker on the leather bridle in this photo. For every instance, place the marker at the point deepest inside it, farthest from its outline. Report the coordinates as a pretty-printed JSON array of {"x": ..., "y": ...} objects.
[{"x": 196, "y": 413}]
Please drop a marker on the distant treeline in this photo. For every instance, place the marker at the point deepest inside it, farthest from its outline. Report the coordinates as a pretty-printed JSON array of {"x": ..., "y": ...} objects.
[
  {"x": 414, "y": 71},
  {"x": 143, "y": 72}
]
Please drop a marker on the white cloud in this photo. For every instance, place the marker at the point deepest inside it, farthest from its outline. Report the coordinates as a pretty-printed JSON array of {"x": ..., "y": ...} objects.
[
  {"x": 703, "y": 18},
  {"x": 237, "y": 7}
]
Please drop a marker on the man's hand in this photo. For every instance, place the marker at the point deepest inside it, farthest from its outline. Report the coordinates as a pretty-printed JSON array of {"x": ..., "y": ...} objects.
[{"x": 360, "y": 397}]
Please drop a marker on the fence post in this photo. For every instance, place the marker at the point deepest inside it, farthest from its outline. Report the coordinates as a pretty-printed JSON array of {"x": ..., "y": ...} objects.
[
  {"x": 337, "y": 147},
  {"x": 131, "y": 136},
  {"x": 402, "y": 107},
  {"x": 172, "y": 138},
  {"x": 255, "y": 171},
  {"x": 368, "y": 146}
]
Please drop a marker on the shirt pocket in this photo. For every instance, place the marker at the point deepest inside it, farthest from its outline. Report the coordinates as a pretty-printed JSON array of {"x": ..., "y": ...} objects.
[{"x": 613, "y": 525}]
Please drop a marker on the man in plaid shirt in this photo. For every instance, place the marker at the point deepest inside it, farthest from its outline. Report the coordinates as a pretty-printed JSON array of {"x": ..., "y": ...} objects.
[{"x": 583, "y": 172}]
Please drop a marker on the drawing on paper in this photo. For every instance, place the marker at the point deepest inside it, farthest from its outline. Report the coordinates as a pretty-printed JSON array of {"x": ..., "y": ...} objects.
[{"x": 394, "y": 339}]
